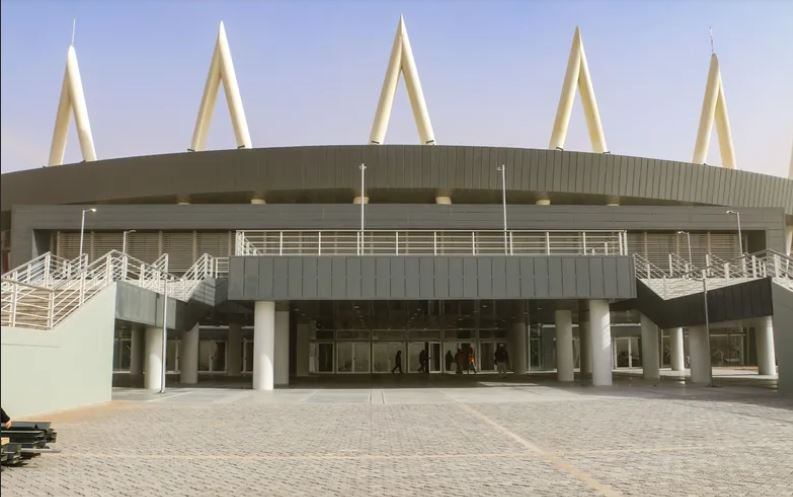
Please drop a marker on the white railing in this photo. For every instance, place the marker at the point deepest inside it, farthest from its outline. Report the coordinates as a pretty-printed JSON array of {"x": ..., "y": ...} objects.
[
  {"x": 44, "y": 305},
  {"x": 47, "y": 270},
  {"x": 680, "y": 266},
  {"x": 719, "y": 273},
  {"x": 417, "y": 242}
]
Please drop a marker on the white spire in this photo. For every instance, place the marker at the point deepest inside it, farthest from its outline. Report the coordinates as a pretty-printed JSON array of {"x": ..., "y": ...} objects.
[
  {"x": 577, "y": 75},
  {"x": 402, "y": 61},
  {"x": 72, "y": 101},
  {"x": 221, "y": 69},
  {"x": 714, "y": 108}
]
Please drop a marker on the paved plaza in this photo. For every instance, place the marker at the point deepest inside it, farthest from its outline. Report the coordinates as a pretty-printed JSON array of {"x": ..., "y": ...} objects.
[{"x": 445, "y": 437}]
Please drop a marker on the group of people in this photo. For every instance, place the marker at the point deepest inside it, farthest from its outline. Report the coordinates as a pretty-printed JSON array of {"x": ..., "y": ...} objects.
[{"x": 464, "y": 360}]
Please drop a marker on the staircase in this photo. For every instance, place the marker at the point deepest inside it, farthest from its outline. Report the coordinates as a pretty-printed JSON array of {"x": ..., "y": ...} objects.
[
  {"x": 44, "y": 291},
  {"x": 683, "y": 279}
]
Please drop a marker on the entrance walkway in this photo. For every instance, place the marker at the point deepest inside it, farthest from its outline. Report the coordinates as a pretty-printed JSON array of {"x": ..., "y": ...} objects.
[{"x": 486, "y": 437}]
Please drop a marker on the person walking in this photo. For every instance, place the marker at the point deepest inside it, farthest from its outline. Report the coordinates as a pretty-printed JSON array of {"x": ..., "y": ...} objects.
[
  {"x": 471, "y": 360},
  {"x": 502, "y": 359},
  {"x": 423, "y": 366},
  {"x": 398, "y": 362},
  {"x": 459, "y": 359}
]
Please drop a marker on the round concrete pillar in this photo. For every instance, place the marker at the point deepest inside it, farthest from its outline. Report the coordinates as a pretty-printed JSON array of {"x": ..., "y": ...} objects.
[
  {"x": 153, "y": 358},
  {"x": 188, "y": 356},
  {"x": 564, "y": 345},
  {"x": 650, "y": 360},
  {"x": 699, "y": 354},
  {"x": 281, "y": 348},
  {"x": 766, "y": 353},
  {"x": 676, "y": 349},
  {"x": 600, "y": 340},
  {"x": 263, "y": 345},
  {"x": 584, "y": 346}
]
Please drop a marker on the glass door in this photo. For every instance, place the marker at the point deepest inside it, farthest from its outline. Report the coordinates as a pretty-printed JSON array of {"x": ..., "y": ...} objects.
[
  {"x": 353, "y": 357},
  {"x": 436, "y": 359},
  {"x": 384, "y": 356},
  {"x": 320, "y": 357}
]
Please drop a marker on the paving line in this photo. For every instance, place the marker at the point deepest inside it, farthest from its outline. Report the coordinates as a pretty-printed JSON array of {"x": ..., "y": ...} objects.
[
  {"x": 675, "y": 448},
  {"x": 556, "y": 461},
  {"x": 314, "y": 457}
]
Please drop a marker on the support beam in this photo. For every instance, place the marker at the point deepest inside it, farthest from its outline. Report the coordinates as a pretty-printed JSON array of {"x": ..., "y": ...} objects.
[
  {"x": 577, "y": 76},
  {"x": 188, "y": 356},
  {"x": 650, "y": 359},
  {"x": 234, "y": 367},
  {"x": 402, "y": 61},
  {"x": 564, "y": 345},
  {"x": 600, "y": 333},
  {"x": 281, "y": 347},
  {"x": 699, "y": 353},
  {"x": 72, "y": 101},
  {"x": 676, "y": 349},
  {"x": 153, "y": 358},
  {"x": 766, "y": 352},
  {"x": 714, "y": 108},
  {"x": 263, "y": 345},
  {"x": 221, "y": 70}
]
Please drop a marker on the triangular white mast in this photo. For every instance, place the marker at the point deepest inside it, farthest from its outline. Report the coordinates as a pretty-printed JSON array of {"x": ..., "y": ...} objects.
[
  {"x": 402, "y": 61},
  {"x": 714, "y": 108},
  {"x": 577, "y": 76},
  {"x": 72, "y": 101},
  {"x": 221, "y": 69}
]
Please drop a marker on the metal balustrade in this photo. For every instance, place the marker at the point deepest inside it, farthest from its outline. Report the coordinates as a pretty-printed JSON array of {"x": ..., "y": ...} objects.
[
  {"x": 719, "y": 273},
  {"x": 41, "y": 293},
  {"x": 422, "y": 242}
]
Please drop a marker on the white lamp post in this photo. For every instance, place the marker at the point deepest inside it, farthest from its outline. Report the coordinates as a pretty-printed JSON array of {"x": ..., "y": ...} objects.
[
  {"x": 740, "y": 237},
  {"x": 362, "y": 167},
  {"x": 503, "y": 170},
  {"x": 124, "y": 240},
  {"x": 82, "y": 231}
]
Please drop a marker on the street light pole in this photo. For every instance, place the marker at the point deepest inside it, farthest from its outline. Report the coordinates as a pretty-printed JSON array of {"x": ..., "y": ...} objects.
[
  {"x": 503, "y": 170},
  {"x": 164, "y": 349},
  {"x": 740, "y": 236},
  {"x": 82, "y": 231},
  {"x": 124, "y": 240},
  {"x": 362, "y": 167}
]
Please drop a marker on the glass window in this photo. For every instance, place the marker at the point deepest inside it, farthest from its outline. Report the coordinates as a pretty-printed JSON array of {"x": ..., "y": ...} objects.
[
  {"x": 172, "y": 356},
  {"x": 122, "y": 354},
  {"x": 383, "y": 355}
]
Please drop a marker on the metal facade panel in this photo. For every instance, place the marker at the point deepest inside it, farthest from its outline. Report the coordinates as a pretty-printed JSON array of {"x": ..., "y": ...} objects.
[{"x": 421, "y": 277}]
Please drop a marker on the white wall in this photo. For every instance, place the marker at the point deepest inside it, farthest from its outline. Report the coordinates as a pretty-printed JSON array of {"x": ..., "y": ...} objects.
[{"x": 63, "y": 368}]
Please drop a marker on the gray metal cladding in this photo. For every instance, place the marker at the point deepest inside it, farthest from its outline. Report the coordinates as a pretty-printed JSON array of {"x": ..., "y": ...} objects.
[
  {"x": 392, "y": 167},
  {"x": 427, "y": 277}
]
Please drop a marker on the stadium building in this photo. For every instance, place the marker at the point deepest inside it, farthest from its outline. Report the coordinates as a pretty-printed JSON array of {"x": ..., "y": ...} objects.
[{"x": 268, "y": 265}]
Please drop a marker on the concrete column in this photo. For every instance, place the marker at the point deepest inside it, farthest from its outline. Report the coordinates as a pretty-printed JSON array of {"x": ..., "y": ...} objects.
[
  {"x": 585, "y": 345},
  {"x": 676, "y": 349},
  {"x": 766, "y": 354},
  {"x": 153, "y": 358},
  {"x": 234, "y": 367},
  {"x": 137, "y": 351},
  {"x": 188, "y": 356},
  {"x": 519, "y": 357},
  {"x": 650, "y": 360},
  {"x": 700, "y": 355},
  {"x": 281, "y": 348},
  {"x": 564, "y": 345},
  {"x": 600, "y": 334},
  {"x": 263, "y": 345},
  {"x": 789, "y": 236}
]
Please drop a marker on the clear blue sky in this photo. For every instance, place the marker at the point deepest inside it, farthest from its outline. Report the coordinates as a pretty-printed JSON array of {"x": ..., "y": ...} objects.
[{"x": 310, "y": 73}]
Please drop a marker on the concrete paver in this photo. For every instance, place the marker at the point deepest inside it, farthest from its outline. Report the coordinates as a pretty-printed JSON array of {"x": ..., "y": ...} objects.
[{"x": 487, "y": 438}]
